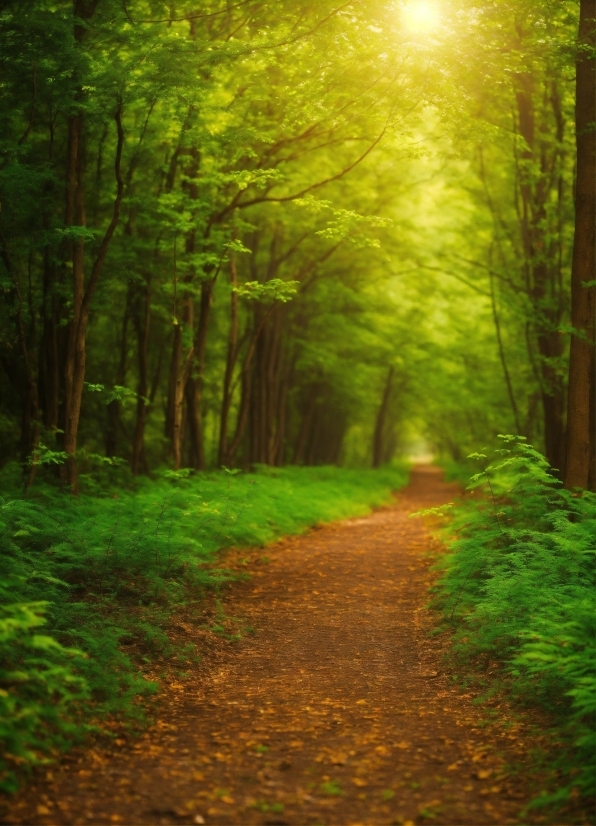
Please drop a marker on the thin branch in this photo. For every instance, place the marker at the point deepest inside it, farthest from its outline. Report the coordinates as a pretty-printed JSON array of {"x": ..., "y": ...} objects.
[
  {"x": 492, "y": 272},
  {"x": 285, "y": 198},
  {"x": 502, "y": 353},
  {"x": 197, "y": 15},
  {"x": 103, "y": 249},
  {"x": 456, "y": 276}
]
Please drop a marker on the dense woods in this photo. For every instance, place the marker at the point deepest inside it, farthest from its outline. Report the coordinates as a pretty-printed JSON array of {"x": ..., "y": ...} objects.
[
  {"x": 251, "y": 236},
  {"x": 314, "y": 234}
]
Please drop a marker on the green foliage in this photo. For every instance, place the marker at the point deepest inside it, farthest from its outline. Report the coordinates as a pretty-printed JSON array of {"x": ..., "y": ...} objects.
[
  {"x": 104, "y": 572},
  {"x": 40, "y": 692},
  {"x": 518, "y": 587},
  {"x": 273, "y": 290}
]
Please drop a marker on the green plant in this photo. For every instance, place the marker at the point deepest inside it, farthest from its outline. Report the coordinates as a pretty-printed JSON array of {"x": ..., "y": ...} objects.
[
  {"x": 517, "y": 588},
  {"x": 331, "y": 787},
  {"x": 40, "y": 691}
]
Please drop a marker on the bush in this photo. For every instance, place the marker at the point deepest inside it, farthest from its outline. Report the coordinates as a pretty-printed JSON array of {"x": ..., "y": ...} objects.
[
  {"x": 39, "y": 691},
  {"x": 518, "y": 587}
]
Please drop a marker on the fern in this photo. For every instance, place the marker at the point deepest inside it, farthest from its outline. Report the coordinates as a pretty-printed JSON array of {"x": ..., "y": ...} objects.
[
  {"x": 517, "y": 586},
  {"x": 39, "y": 690}
]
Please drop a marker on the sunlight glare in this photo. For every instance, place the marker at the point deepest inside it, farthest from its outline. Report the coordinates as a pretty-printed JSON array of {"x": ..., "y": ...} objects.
[{"x": 421, "y": 16}]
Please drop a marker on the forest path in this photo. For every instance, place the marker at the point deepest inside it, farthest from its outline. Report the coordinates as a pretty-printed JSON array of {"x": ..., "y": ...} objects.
[{"x": 336, "y": 711}]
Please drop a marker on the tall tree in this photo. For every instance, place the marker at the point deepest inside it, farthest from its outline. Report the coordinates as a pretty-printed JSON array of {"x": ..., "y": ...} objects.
[{"x": 581, "y": 411}]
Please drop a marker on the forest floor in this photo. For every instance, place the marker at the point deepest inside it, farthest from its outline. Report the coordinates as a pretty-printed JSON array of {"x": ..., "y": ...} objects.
[{"x": 338, "y": 709}]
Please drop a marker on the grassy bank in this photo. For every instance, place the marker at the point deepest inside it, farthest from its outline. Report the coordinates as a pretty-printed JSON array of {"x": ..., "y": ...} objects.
[
  {"x": 517, "y": 593},
  {"x": 88, "y": 584}
]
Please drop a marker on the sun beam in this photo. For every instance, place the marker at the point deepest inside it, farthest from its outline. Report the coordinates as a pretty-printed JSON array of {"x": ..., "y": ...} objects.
[{"x": 421, "y": 16}]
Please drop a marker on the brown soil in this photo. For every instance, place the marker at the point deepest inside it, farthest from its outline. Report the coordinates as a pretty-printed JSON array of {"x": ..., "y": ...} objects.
[{"x": 337, "y": 710}]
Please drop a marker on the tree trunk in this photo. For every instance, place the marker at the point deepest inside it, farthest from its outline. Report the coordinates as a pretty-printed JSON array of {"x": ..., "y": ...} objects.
[
  {"x": 113, "y": 422},
  {"x": 553, "y": 400},
  {"x": 222, "y": 456},
  {"x": 74, "y": 367},
  {"x": 268, "y": 393},
  {"x": 49, "y": 356},
  {"x": 303, "y": 433},
  {"x": 580, "y": 469},
  {"x": 142, "y": 322},
  {"x": 180, "y": 371},
  {"x": 506, "y": 375},
  {"x": 76, "y": 355},
  {"x": 541, "y": 267},
  {"x": 378, "y": 439},
  {"x": 195, "y": 388},
  {"x": 246, "y": 379}
]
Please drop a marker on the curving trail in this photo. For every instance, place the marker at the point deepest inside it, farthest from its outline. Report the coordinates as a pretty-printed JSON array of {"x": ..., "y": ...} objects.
[{"x": 336, "y": 711}]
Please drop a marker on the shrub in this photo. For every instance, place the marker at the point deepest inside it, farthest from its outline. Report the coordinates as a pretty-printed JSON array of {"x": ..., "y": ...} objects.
[
  {"x": 39, "y": 690},
  {"x": 518, "y": 587}
]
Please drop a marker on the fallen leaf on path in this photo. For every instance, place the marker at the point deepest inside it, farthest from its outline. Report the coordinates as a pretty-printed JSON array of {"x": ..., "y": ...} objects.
[
  {"x": 403, "y": 744},
  {"x": 338, "y": 759},
  {"x": 358, "y": 781}
]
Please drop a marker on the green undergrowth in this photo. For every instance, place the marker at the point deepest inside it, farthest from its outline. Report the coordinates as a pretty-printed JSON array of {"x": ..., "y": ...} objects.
[
  {"x": 88, "y": 584},
  {"x": 517, "y": 592}
]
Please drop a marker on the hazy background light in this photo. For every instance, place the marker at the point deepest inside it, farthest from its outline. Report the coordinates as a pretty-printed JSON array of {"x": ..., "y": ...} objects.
[{"x": 421, "y": 15}]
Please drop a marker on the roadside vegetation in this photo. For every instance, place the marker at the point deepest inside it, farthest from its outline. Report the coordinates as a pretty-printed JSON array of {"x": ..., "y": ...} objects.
[{"x": 517, "y": 591}]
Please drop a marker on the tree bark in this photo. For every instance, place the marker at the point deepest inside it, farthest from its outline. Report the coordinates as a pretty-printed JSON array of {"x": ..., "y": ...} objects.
[
  {"x": 542, "y": 273},
  {"x": 247, "y": 386},
  {"x": 142, "y": 323},
  {"x": 267, "y": 391},
  {"x": 82, "y": 294},
  {"x": 305, "y": 425},
  {"x": 580, "y": 469},
  {"x": 49, "y": 355},
  {"x": 553, "y": 400},
  {"x": 195, "y": 382},
  {"x": 180, "y": 371},
  {"x": 232, "y": 354},
  {"x": 113, "y": 421},
  {"x": 378, "y": 439},
  {"x": 506, "y": 375}
]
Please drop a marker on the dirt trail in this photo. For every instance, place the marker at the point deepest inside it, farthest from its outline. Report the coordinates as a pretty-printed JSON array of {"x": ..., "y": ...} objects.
[{"x": 336, "y": 711}]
